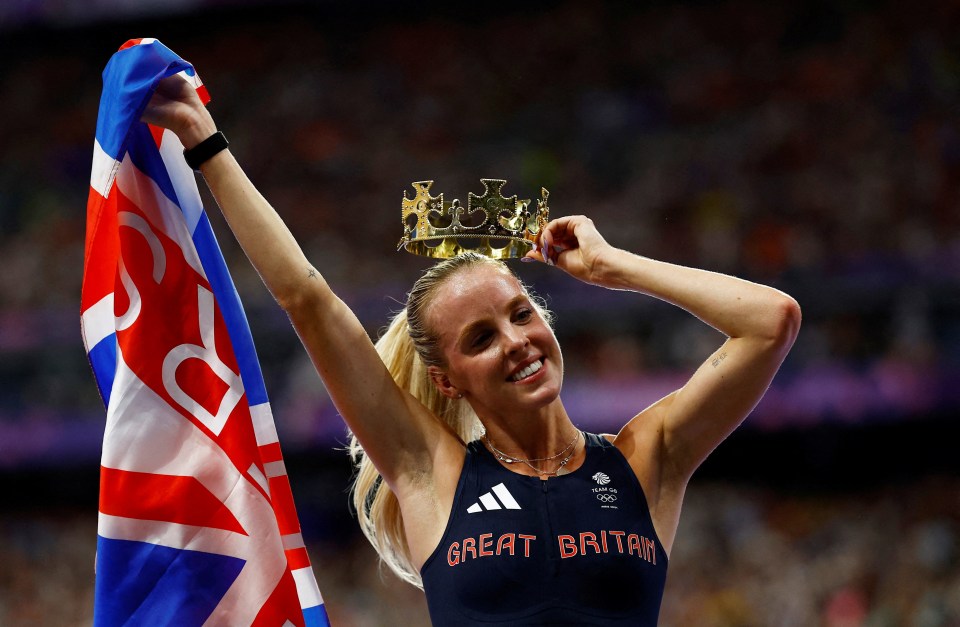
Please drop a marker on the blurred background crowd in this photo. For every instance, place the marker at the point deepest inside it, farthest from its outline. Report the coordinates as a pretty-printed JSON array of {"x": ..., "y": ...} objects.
[{"x": 813, "y": 146}]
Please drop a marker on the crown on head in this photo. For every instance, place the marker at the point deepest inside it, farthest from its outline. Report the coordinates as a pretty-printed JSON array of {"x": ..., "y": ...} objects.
[{"x": 490, "y": 224}]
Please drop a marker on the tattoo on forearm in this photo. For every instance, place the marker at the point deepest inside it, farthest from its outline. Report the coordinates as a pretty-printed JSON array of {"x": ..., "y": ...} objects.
[
  {"x": 311, "y": 273},
  {"x": 719, "y": 358}
]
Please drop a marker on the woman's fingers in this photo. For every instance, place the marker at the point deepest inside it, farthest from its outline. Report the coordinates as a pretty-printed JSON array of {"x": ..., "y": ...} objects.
[
  {"x": 546, "y": 245},
  {"x": 559, "y": 236},
  {"x": 176, "y": 106},
  {"x": 552, "y": 241}
]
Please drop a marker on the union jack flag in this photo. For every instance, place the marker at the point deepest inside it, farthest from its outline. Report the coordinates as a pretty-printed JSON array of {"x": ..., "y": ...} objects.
[{"x": 196, "y": 519}]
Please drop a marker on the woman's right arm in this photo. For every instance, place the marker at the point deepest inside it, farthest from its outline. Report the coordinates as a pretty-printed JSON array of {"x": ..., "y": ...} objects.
[{"x": 399, "y": 434}]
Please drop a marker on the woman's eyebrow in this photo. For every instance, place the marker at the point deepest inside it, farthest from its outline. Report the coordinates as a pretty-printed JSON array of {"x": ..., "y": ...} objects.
[{"x": 470, "y": 328}]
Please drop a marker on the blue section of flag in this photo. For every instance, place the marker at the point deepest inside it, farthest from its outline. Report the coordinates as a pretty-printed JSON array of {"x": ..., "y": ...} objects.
[
  {"x": 315, "y": 617},
  {"x": 128, "y": 82},
  {"x": 103, "y": 360},
  {"x": 148, "y": 584}
]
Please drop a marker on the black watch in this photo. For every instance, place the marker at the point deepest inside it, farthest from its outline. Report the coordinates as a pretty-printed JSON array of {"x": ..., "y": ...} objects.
[{"x": 201, "y": 153}]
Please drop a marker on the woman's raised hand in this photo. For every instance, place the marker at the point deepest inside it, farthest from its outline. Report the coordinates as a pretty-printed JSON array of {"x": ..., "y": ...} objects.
[
  {"x": 175, "y": 105},
  {"x": 574, "y": 245}
]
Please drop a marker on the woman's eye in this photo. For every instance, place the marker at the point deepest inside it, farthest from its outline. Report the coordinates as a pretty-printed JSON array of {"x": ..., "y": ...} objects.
[
  {"x": 480, "y": 340},
  {"x": 524, "y": 315}
]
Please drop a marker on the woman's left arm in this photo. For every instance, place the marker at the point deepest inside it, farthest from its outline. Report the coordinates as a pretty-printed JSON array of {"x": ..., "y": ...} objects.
[{"x": 761, "y": 324}]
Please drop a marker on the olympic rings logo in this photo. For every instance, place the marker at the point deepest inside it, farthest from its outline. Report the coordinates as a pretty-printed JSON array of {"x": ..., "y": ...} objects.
[{"x": 606, "y": 498}]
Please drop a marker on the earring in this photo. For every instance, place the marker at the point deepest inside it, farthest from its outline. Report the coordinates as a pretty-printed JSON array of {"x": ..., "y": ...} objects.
[{"x": 460, "y": 395}]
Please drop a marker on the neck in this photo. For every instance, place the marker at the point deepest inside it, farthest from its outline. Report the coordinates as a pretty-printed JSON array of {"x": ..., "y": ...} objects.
[{"x": 540, "y": 435}]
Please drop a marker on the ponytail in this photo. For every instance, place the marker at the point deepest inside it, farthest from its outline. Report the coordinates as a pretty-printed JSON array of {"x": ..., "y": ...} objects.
[{"x": 378, "y": 509}]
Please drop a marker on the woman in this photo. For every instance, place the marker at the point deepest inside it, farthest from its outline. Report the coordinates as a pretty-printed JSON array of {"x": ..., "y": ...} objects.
[{"x": 534, "y": 522}]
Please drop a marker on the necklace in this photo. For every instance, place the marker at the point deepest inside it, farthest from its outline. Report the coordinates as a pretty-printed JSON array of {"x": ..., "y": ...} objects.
[{"x": 568, "y": 450}]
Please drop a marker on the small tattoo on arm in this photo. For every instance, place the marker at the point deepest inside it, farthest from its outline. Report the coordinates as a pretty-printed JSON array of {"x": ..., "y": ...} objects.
[
  {"x": 719, "y": 358},
  {"x": 311, "y": 273}
]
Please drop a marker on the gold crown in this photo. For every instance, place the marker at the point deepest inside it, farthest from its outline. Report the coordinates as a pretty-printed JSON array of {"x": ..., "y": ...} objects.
[{"x": 498, "y": 227}]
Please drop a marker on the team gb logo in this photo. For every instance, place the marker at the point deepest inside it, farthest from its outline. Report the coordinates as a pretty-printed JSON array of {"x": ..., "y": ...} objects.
[{"x": 601, "y": 478}]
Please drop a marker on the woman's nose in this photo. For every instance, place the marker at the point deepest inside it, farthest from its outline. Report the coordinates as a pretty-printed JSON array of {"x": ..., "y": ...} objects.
[{"x": 515, "y": 340}]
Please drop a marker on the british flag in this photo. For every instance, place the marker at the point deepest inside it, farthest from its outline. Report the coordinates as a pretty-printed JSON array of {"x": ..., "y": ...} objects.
[{"x": 197, "y": 523}]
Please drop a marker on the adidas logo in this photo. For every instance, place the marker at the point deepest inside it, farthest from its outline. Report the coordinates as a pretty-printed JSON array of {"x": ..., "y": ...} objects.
[{"x": 489, "y": 502}]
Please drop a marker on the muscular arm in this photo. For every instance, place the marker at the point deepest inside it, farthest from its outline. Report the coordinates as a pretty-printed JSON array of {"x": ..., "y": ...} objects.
[
  {"x": 760, "y": 323},
  {"x": 401, "y": 437},
  {"x": 394, "y": 428},
  {"x": 667, "y": 442}
]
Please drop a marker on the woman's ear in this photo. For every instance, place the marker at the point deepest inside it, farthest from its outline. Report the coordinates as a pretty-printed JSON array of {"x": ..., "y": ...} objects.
[{"x": 442, "y": 381}]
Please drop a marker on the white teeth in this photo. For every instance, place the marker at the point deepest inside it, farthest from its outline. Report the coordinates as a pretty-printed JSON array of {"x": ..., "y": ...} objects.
[{"x": 529, "y": 370}]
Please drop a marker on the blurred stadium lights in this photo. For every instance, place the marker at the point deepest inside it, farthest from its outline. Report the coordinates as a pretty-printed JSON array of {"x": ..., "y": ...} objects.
[{"x": 66, "y": 13}]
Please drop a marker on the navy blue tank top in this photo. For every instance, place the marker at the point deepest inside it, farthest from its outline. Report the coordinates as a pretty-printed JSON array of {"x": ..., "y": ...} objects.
[{"x": 579, "y": 549}]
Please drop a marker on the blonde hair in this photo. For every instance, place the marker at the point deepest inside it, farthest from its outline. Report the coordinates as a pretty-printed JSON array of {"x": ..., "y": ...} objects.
[{"x": 408, "y": 348}]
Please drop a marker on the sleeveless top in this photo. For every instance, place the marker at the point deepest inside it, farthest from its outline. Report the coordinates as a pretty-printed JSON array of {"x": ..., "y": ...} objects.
[{"x": 579, "y": 549}]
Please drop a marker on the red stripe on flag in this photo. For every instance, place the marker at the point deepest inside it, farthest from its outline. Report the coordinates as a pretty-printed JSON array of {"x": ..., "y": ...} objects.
[
  {"x": 204, "y": 94},
  {"x": 157, "y": 132},
  {"x": 297, "y": 558},
  {"x": 282, "y": 606},
  {"x": 282, "y": 498},
  {"x": 130, "y": 43},
  {"x": 271, "y": 453},
  {"x": 102, "y": 247},
  {"x": 167, "y": 498}
]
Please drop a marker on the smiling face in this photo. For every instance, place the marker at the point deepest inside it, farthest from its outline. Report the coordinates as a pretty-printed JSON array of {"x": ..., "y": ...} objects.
[{"x": 498, "y": 350}]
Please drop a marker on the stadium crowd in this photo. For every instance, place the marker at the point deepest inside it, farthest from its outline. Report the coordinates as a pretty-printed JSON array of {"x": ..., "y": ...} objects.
[{"x": 813, "y": 147}]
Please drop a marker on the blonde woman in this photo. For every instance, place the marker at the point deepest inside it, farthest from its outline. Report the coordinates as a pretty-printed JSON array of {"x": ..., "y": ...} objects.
[{"x": 473, "y": 481}]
